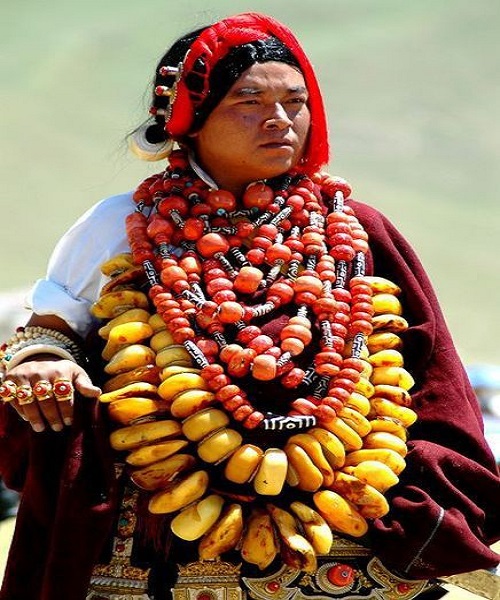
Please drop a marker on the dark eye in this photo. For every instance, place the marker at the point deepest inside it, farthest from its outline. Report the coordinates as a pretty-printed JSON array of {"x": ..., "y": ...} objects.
[{"x": 298, "y": 100}]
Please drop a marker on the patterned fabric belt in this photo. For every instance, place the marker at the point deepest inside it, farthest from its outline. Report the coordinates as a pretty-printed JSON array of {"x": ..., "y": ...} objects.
[
  {"x": 342, "y": 576},
  {"x": 349, "y": 572}
]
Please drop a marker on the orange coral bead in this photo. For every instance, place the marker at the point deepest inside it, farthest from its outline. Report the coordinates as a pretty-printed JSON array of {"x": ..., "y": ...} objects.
[
  {"x": 307, "y": 283},
  {"x": 227, "y": 392},
  {"x": 214, "y": 273},
  {"x": 224, "y": 296},
  {"x": 261, "y": 343},
  {"x": 303, "y": 406},
  {"x": 240, "y": 363},
  {"x": 360, "y": 246},
  {"x": 305, "y": 298},
  {"x": 361, "y": 326},
  {"x": 343, "y": 252},
  {"x": 230, "y": 312},
  {"x": 253, "y": 420},
  {"x": 221, "y": 199},
  {"x": 176, "y": 323},
  {"x": 193, "y": 229},
  {"x": 293, "y": 378},
  {"x": 183, "y": 334},
  {"x": 326, "y": 370},
  {"x": 258, "y": 194},
  {"x": 247, "y": 334},
  {"x": 304, "y": 321},
  {"x": 328, "y": 275},
  {"x": 243, "y": 412},
  {"x": 235, "y": 402},
  {"x": 211, "y": 244},
  {"x": 248, "y": 279},
  {"x": 324, "y": 305},
  {"x": 190, "y": 263},
  {"x": 256, "y": 256},
  {"x": 218, "y": 382},
  {"x": 268, "y": 231},
  {"x": 229, "y": 351},
  {"x": 296, "y": 331},
  {"x": 262, "y": 243},
  {"x": 292, "y": 345},
  {"x": 328, "y": 356},
  {"x": 325, "y": 413},
  {"x": 283, "y": 291},
  {"x": 312, "y": 238},
  {"x": 208, "y": 347},
  {"x": 264, "y": 367},
  {"x": 295, "y": 201},
  {"x": 173, "y": 273},
  {"x": 218, "y": 284},
  {"x": 210, "y": 371},
  {"x": 178, "y": 203},
  {"x": 278, "y": 252},
  {"x": 337, "y": 217}
]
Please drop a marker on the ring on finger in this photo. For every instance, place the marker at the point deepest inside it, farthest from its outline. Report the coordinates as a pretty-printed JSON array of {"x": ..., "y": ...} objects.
[
  {"x": 24, "y": 394},
  {"x": 42, "y": 390},
  {"x": 8, "y": 391},
  {"x": 63, "y": 390}
]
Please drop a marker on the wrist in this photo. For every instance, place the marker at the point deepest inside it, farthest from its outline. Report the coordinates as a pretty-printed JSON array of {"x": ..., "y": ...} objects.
[{"x": 36, "y": 342}]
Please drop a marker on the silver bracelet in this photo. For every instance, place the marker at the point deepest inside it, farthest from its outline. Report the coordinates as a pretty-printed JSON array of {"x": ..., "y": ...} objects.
[{"x": 39, "y": 340}]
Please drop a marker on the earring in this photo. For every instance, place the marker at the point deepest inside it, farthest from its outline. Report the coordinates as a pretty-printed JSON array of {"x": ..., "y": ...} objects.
[{"x": 145, "y": 150}]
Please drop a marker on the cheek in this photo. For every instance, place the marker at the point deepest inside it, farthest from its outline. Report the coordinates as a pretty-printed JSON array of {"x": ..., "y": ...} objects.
[{"x": 302, "y": 126}]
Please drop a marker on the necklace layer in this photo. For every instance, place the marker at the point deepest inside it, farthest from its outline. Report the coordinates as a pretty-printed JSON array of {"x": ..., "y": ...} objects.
[{"x": 292, "y": 245}]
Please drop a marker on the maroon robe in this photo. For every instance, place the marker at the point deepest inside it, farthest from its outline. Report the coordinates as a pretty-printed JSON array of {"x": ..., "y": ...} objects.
[{"x": 444, "y": 512}]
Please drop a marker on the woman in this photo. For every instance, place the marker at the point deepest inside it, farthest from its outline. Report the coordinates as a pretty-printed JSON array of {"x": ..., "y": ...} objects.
[{"x": 265, "y": 286}]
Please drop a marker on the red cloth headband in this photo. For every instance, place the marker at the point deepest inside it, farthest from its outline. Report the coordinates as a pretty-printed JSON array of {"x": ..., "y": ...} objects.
[{"x": 213, "y": 44}]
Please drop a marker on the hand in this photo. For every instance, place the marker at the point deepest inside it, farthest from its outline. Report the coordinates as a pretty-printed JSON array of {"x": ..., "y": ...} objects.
[{"x": 44, "y": 391}]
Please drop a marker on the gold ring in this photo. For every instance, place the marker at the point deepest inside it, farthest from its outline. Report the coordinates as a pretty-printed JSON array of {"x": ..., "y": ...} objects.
[
  {"x": 63, "y": 390},
  {"x": 24, "y": 394},
  {"x": 8, "y": 391},
  {"x": 42, "y": 390}
]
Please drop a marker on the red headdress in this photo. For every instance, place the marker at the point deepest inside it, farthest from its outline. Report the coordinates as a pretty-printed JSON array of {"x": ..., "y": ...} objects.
[{"x": 213, "y": 44}]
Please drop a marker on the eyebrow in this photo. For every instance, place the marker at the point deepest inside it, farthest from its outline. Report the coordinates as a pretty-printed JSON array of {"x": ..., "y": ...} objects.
[{"x": 251, "y": 91}]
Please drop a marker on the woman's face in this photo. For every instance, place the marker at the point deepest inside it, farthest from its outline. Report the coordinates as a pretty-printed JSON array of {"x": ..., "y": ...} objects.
[{"x": 258, "y": 130}]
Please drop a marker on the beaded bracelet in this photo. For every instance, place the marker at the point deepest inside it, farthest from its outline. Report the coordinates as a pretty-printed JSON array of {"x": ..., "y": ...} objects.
[{"x": 28, "y": 341}]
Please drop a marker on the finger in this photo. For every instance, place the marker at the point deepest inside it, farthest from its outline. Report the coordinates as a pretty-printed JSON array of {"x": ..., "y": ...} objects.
[
  {"x": 84, "y": 386},
  {"x": 63, "y": 391},
  {"x": 27, "y": 402},
  {"x": 8, "y": 391},
  {"x": 47, "y": 404}
]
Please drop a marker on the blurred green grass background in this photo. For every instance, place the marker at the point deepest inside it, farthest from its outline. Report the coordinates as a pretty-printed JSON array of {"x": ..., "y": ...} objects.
[{"x": 413, "y": 96}]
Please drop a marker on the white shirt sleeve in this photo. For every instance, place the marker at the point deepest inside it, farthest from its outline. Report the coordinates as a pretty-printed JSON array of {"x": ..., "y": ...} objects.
[{"x": 73, "y": 278}]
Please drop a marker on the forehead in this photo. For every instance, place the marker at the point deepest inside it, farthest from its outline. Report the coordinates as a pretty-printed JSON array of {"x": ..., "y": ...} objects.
[{"x": 269, "y": 75}]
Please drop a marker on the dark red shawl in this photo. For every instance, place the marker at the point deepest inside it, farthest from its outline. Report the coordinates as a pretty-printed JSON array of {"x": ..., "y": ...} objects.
[{"x": 444, "y": 513}]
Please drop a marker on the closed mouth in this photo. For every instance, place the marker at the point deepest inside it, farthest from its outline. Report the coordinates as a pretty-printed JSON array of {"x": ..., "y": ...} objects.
[{"x": 278, "y": 144}]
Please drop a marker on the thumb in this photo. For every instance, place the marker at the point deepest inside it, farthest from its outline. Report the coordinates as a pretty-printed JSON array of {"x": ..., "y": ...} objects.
[{"x": 83, "y": 385}]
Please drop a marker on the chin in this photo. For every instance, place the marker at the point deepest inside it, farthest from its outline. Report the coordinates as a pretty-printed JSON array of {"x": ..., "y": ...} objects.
[{"x": 274, "y": 168}]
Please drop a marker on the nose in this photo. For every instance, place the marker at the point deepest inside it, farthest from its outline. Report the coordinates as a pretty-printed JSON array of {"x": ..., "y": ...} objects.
[{"x": 278, "y": 119}]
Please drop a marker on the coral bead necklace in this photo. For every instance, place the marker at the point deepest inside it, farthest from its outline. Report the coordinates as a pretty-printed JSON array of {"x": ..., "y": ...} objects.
[{"x": 218, "y": 271}]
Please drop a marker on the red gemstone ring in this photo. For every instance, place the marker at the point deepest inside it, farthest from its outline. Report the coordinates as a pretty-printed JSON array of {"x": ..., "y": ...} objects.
[
  {"x": 42, "y": 390},
  {"x": 24, "y": 394},
  {"x": 8, "y": 391},
  {"x": 63, "y": 390}
]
